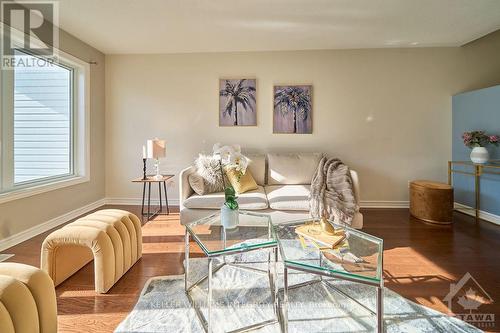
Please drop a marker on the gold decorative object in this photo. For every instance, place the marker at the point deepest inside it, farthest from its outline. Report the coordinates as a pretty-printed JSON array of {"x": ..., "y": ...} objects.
[
  {"x": 313, "y": 232},
  {"x": 327, "y": 227}
]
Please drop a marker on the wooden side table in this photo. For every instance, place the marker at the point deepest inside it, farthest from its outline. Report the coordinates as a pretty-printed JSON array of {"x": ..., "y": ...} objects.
[
  {"x": 148, "y": 181},
  {"x": 431, "y": 201}
]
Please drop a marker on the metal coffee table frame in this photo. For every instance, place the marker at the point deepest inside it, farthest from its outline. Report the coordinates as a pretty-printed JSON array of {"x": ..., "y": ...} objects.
[
  {"x": 211, "y": 255},
  {"x": 324, "y": 272}
]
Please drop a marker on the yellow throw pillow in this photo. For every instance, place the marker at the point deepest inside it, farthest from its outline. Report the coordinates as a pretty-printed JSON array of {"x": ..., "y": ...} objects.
[{"x": 244, "y": 184}]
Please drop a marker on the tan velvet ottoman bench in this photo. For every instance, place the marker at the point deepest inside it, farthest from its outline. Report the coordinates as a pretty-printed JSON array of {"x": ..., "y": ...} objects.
[
  {"x": 111, "y": 237},
  {"x": 27, "y": 300}
]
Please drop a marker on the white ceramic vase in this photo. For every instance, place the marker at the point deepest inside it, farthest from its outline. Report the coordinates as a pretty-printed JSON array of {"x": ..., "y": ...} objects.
[
  {"x": 229, "y": 217},
  {"x": 479, "y": 155}
]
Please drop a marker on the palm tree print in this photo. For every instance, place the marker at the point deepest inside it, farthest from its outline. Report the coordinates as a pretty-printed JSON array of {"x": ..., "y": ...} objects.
[
  {"x": 294, "y": 100},
  {"x": 237, "y": 93}
]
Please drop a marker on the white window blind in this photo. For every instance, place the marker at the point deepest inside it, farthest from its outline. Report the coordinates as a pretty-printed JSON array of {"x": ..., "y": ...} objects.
[{"x": 43, "y": 115}]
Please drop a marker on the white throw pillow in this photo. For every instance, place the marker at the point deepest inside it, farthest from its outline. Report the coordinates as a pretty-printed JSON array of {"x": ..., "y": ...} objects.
[
  {"x": 257, "y": 166},
  {"x": 292, "y": 168}
]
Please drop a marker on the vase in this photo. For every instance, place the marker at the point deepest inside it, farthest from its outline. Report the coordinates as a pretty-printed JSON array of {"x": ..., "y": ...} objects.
[
  {"x": 479, "y": 155},
  {"x": 229, "y": 218}
]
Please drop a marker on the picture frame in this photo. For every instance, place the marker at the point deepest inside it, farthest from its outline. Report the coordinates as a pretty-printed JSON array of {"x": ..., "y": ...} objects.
[
  {"x": 292, "y": 108},
  {"x": 237, "y": 101}
]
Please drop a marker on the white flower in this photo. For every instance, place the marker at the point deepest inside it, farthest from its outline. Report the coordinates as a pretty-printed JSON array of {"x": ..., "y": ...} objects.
[
  {"x": 225, "y": 153},
  {"x": 238, "y": 161},
  {"x": 216, "y": 151},
  {"x": 236, "y": 148},
  {"x": 230, "y": 155},
  {"x": 216, "y": 148},
  {"x": 222, "y": 153}
]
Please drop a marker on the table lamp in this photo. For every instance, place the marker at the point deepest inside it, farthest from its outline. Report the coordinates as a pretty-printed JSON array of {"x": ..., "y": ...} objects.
[{"x": 157, "y": 149}]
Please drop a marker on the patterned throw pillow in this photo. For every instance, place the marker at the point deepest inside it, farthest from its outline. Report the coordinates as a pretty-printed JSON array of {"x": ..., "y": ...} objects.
[
  {"x": 208, "y": 178},
  {"x": 244, "y": 184}
]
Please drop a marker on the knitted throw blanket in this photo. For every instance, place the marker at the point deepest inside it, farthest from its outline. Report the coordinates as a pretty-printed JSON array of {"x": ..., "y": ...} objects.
[{"x": 332, "y": 192}]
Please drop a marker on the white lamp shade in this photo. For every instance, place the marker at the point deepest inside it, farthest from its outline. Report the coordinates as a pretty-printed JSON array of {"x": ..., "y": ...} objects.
[{"x": 156, "y": 148}]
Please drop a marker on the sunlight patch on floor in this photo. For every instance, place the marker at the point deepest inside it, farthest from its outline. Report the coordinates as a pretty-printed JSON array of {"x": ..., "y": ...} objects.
[
  {"x": 164, "y": 248},
  {"x": 409, "y": 256}
]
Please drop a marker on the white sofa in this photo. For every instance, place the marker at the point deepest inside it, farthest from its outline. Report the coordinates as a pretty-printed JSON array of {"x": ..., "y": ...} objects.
[{"x": 284, "y": 181}]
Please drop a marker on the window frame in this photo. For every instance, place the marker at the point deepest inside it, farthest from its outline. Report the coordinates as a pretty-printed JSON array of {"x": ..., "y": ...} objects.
[{"x": 80, "y": 131}]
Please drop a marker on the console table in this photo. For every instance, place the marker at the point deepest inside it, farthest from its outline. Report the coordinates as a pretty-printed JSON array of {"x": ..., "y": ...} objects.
[
  {"x": 478, "y": 170},
  {"x": 150, "y": 179}
]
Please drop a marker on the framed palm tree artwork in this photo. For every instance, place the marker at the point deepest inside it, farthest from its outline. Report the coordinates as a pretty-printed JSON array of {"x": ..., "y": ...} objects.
[
  {"x": 292, "y": 109},
  {"x": 237, "y": 102}
]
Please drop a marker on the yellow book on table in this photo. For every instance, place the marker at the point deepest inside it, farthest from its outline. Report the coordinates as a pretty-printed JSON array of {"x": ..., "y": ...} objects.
[{"x": 316, "y": 234}]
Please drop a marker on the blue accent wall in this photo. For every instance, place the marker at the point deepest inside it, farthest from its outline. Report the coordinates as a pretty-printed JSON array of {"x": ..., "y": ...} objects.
[{"x": 476, "y": 110}]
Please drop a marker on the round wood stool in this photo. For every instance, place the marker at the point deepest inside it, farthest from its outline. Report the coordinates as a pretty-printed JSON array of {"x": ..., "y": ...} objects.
[{"x": 431, "y": 201}]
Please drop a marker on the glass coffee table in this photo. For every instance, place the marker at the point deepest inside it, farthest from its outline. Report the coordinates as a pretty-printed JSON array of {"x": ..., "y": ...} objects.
[
  {"x": 254, "y": 232},
  {"x": 357, "y": 258}
]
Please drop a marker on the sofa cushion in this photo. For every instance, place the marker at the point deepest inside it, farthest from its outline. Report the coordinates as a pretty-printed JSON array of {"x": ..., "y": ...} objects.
[
  {"x": 288, "y": 197},
  {"x": 251, "y": 200},
  {"x": 292, "y": 169},
  {"x": 257, "y": 166}
]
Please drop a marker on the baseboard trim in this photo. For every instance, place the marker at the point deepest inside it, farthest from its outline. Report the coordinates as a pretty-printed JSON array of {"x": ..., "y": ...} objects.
[
  {"x": 384, "y": 204},
  {"x": 43, "y": 227},
  {"x": 482, "y": 214},
  {"x": 138, "y": 201}
]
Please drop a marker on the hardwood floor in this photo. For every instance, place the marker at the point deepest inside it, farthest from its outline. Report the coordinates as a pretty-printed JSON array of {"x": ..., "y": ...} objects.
[{"x": 420, "y": 262}]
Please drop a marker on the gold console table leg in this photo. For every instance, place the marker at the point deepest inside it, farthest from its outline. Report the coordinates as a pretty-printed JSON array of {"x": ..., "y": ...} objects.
[
  {"x": 449, "y": 172},
  {"x": 477, "y": 176}
]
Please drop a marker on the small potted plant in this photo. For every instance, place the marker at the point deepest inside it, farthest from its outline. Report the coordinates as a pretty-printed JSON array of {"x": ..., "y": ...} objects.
[
  {"x": 230, "y": 156},
  {"x": 477, "y": 141}
]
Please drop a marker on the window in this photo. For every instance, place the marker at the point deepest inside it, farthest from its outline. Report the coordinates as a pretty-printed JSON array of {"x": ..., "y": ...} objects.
[
  {"x": 43, "y": 125},
  {"x": 43, "y": 116}
]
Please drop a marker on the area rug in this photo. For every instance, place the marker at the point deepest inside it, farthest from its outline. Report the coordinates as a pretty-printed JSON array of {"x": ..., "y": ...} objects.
[{"x": 242, "y": 297}]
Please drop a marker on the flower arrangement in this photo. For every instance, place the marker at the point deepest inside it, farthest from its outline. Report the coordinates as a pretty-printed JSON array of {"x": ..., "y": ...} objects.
[
  {"x": 475, "y": 139},
  {"x": 230, "y": 156}
]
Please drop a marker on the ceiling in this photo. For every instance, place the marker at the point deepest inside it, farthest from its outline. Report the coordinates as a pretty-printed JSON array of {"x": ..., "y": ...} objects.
[{"x": 179, "y": 26}]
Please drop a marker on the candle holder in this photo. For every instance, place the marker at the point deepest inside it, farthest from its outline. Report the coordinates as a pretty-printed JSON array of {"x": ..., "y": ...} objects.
[
  {"x": 144, "y": 169},
  {"x": 158, "y": 176}
]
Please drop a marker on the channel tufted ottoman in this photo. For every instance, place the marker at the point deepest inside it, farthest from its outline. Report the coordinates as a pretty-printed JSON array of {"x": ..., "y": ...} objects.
[
  {"x": 27, "y": 300},
  {"x": 112, "y": 237}
]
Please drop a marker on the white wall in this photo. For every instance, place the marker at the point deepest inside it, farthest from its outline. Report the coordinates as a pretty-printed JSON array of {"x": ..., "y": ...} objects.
[{"x": 385, "y": 112}]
